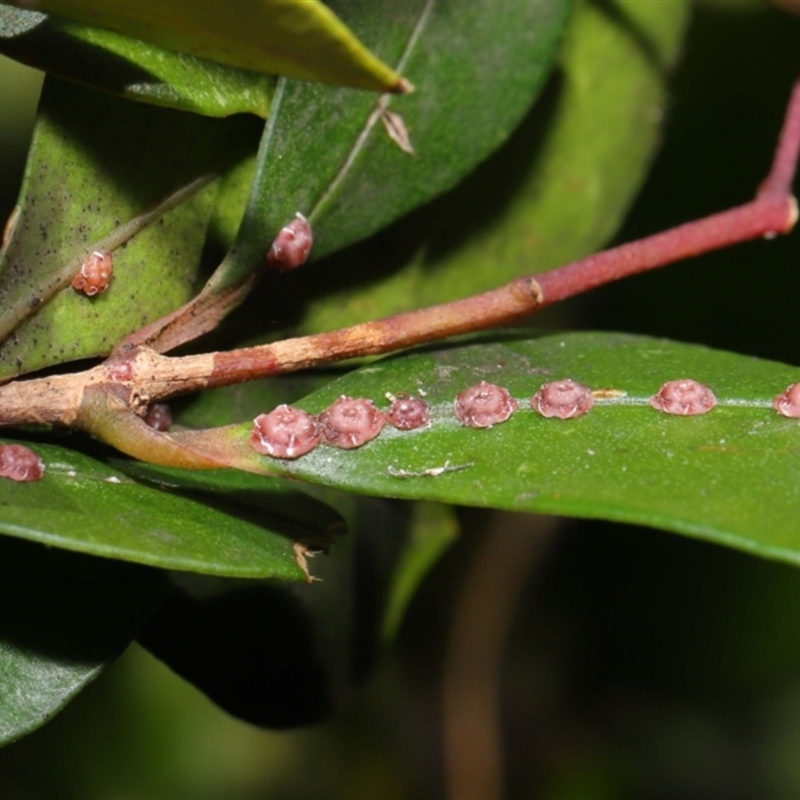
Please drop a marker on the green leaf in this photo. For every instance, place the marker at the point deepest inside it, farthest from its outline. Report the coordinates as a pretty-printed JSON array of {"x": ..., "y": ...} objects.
[
  {"x": 64, "y": 618},
  {"x": 131, "y": 68},
  {"x": 96, "y": 163},
  {"x": 327, "y": 154},
  {"x": 729, "y": 476},
  {"x": 236, "y": 525},
  {"x": 299, "y": 38},
  {"x": 556, "y": 191}
]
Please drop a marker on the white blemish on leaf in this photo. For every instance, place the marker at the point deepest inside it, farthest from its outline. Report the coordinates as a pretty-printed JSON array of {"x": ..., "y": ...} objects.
[{"x": 431, "y": 472}]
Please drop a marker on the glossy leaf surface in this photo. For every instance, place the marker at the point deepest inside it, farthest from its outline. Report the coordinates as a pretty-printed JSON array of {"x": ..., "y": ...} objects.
[
  {"x": 237, "y": 525},
  {"x": 299, "y": 38},
  {"x": 64, "y": 617},
  {"x": 729, "y": 476},
  {"x": 96, "y": 162},
  {"x": 134, "y": 69}
]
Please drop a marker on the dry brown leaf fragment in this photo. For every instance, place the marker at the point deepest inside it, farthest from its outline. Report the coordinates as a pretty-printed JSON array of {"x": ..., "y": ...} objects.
[
  {"x": 301, "y": 555},
  {"x": 396, "y": 128}
]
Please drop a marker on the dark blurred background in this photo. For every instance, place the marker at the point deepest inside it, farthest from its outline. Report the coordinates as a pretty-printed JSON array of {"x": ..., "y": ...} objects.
[{"x": 622, "y": 662}]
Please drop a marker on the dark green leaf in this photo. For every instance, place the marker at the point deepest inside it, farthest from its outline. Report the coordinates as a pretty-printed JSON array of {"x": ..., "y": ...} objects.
[
  {"x": 556, "y": 191},
  {"x": 299, "y": 38},
  {"x": 245, "y": 527},
  {"x": 131, "y": 68},
  {"x": 64, "y": 617},
  {"x": 729, "y": 476},
  {"x": 477, "y": 68}
]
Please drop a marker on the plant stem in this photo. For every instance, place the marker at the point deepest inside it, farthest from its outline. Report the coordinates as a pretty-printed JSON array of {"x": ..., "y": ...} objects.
[
  {"x": 772, "y": 212},
  {"x": 765, "y": 216},
  {"x": 149, "y": 376}
]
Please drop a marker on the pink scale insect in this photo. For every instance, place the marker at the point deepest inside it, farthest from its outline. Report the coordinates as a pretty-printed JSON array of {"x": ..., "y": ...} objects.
[
  {"x": 95, "y": 273},
  {"x": 562, "y": 399},
  {"x": 350, "y": 422},
  {"x": 158, "y": 417},
  {"x": 787, "y": 403},
  {"x": 292, "y": 245},
  {"x": 484, "y": 405},
  {"x": 407, "y": 413},
  {"x": 20, "y": 463},
  {"x": 286, "y": 432},
  {"x": 684, "y": 397}
]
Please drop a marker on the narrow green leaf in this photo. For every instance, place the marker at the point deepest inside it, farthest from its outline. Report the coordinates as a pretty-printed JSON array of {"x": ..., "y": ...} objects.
[
  {"x": 328, "y": 155},
  {"x": 299, "y": 38},
  {"x": 131, "y": 68},
  {"x": 97, "y": 162},
  {"x": 64, "y": 618},
  {"x": 240, "y": 526},
  {"x": 729, "y": 476}
]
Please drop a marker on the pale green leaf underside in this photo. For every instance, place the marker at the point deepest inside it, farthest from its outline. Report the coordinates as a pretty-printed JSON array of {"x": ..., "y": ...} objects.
[
  {"x": 96, "y": 162},
  {"x": 132, "y": 68},
  {"x": 731, "y": 476},
  {"x": 298, "y": 38}
]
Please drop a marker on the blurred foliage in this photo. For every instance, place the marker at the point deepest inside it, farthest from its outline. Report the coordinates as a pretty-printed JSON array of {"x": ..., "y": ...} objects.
[{"x": 640, "y": 664}]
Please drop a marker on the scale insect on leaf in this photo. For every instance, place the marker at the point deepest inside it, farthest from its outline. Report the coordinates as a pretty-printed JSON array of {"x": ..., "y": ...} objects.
[
  {"x": 351, "y": 422},
  {"x": 95, "y": 274},
  {"x": 286, "y": 432},
  {"x": 20, "y": 463},
  {"x": 484, "y": 405},
  {"x": 684, "y": 397},
  {"x": 292, "y": 245}
]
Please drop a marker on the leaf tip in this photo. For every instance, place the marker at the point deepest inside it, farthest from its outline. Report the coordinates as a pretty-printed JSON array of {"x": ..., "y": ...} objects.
[{"x": 403, "y": 86}]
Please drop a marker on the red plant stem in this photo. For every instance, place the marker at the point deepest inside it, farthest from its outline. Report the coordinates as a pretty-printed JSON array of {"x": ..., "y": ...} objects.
[
  {"x": 774, "y": 211},
  {"x": 507, "y": 303},
  {"x": 766, "y": 216},
  {"x": 784, "y": 164}
]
